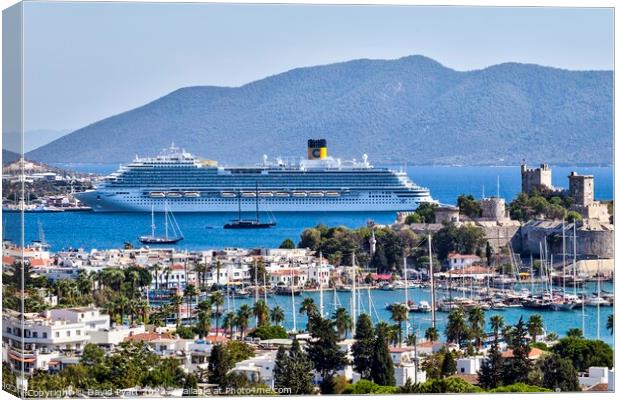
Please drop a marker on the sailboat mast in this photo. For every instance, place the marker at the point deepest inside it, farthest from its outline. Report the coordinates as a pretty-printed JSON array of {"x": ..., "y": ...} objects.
[
  {"x": 353, "y": 297},
  {"x": 575, "y": 258},
  {"x": 320, "y": 270},
  {"x": 406, "y": 295},
  {"x": 430, "y": 271},
  {"x": 563, "y": 261},
  {"x": 293, "y": 301},
  {"x": 598, "y": 300}
]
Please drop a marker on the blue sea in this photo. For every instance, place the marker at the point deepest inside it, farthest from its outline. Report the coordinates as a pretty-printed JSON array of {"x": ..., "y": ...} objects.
[{"x": 205, "y": 231}]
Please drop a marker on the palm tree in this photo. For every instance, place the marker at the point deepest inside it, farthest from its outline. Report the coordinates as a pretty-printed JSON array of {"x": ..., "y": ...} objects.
[
  {"x": 475, "y": 317},
  {"x": 277, "y": 315},
  {"x": 261, "y": 312},
  {"x": 431, "y": 334},
  {"x": 497, "y": 323},
  {"x": 204, "y": 318},
  {"x": 243, "y": 318},
  {"x": 217, "y": 299},
  {"x": 189, "y": 293},
  {"x": 308, "y": 306},
  {"x": 610, "y": 323},
  {"x": 229, "y": 322},
  {"x": 456, "y": 328},
  {"x": 535, "y": 326},
  {"x": 85, "y": 283},
  {"x": 201, "y": 270},
  {"x": 343, "y": 322},
  {"x": 122, "y": 304},
  {"x": 167, "y": 272},
  {"x": 176, "y": 301},
  {"x": 400, "y": 314}
]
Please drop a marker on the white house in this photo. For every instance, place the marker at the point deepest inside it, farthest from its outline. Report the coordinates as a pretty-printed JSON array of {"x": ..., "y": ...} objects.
[
  {"x": 258, "y": 368},
  {"x": 469, "y": 365},
  {"x": 460, "y": 261}
]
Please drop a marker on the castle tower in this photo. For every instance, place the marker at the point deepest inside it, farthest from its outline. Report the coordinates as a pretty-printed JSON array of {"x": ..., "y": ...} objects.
[
  {"x": 581, "y": 188},
  {"x": 533, "y": 177}
]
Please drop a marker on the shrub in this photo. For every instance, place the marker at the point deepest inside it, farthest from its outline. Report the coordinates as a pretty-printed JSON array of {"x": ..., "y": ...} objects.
[{"x": 269, "y": 332}]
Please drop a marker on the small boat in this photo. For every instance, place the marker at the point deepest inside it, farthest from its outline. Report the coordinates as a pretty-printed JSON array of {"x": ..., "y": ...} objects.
[
  {"x": 169, "y": 220},
  {"x": 300, "y": 194},
  {"x": 596, "y": 301},
  {"x": 157, "y": 194},
  {"x": 423, "y": 307},
  {"x": 173, "y": 194},
  {"x": 283, "y": 289},
  {"x": 265, "y": 194},
  {"x": 282, "y": 194},
  {"x": 248, "y": 194},
  {"x": 228, "y": 194},
  {"x": 191, "y": 194},
  {"x": 536, "y": 304},
  {"x": 386, "y": 286},
  {"x": 242, "y": 294},
  {"x": 316, "y": 194},
  {"x": 344, "y": 288},
  {"x": 332, "y": 194},
  {"x": 560, "y": 305}
]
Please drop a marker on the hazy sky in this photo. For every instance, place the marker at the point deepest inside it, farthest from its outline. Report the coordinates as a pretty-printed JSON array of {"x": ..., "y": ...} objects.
[{"x": 87, "y": 61}]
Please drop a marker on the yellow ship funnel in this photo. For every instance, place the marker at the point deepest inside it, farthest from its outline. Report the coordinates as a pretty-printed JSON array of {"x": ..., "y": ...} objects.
[{"x": 317, "y": 149}]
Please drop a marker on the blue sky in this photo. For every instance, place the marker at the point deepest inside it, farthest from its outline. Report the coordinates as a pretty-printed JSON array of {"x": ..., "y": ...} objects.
[{"x": 87, "y": 61}]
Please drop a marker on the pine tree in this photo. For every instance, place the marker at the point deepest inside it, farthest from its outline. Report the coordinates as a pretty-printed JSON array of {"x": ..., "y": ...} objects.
[
  {"x": 281, "y": 368},
  {"x": 518, "y": 367},
  {"x": 324, "y": 352},
  {"x": 448, "y": 365},
  {"x": 300, "y": 370},
  {"x": 382, "y": 367},
  {"x": 490, "y": 373},
  {"x": 219, "y": 364},
  {"x": 363, "y": 348}
]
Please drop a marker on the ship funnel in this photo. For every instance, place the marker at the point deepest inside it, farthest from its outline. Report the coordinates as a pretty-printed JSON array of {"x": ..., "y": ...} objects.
[{"x": 317, "y": 149}]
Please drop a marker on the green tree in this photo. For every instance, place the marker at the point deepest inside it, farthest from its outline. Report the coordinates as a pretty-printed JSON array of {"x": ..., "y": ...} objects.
[
  {"x": 559, "y": 373},
  {"x": 490, "y": 373},
  {"x": 574, "y": 333},
  {"x": 400, "y": 314},
  {"x": 287, "y": 244},
  {"x": 535, "y": 326},
  {"x": 448, "y": 365},
  {"x": 229, "y": 323},
  {"x": 261, "y": 312},
  {"x": 456, "y": 328},
  {"x": 324, "y": 352},
  {"x": 363, "y": 348},
  {"x": 518, "y": 367},
  {"x": 281, "y": 377},
  {"x": 238, "y": 351},
  {"x": 343, "y": 322},
  {"x": 469, "y": 206},
  {"x": 382, "y": 367},
  {"x": 431, "y": 334},
  {"x": 242, "y": 319},
  {"x": 584, "y": 353},
  {"x": 497, "y": 323},
  {"x": 573, "y": 216},
  {"x": 277, "y": 315},
  {"x": 475, "y": 317},
  {"x": 219, "y": 364},
  {"x": 217, "y": 299}
]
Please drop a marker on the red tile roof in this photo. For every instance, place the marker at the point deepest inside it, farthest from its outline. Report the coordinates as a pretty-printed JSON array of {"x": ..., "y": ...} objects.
[
  {"x": 148, "y": 337},
  {"x": 534, "y": 353}
]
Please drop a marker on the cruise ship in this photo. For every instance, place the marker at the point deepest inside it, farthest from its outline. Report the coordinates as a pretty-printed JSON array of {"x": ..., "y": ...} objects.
[{"x": 180, "y": 182}]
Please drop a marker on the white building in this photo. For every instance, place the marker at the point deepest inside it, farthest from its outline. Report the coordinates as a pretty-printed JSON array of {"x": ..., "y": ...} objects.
[
  {"x": 406, "y": 366},
  {"x": 469, "y": 365},
  {"x": 460, "y": 261},
  {"x": 258, "y": 369}
]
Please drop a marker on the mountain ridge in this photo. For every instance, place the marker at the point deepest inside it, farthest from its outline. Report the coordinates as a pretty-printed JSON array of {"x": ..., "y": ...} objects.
[{"x": 411, "y": 109}]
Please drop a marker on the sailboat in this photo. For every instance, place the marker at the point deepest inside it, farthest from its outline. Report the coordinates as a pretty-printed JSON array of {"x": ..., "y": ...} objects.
[
  {"x": 169, "y": 220},
  {"x": 248, "y": 223}
]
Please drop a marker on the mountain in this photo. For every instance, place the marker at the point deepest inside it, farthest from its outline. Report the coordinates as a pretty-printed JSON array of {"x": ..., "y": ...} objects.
[
  {"x": 9, "y": 157},
  {"x": 412, "y": 109}
]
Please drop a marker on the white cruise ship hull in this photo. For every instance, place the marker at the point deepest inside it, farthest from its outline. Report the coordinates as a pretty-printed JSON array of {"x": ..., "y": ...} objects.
[{"x": 103, "y": 201}]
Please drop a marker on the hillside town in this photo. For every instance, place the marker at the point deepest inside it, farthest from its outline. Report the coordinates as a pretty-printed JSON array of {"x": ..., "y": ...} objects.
[{"x": 220, "y": 320}]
